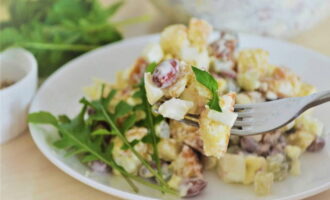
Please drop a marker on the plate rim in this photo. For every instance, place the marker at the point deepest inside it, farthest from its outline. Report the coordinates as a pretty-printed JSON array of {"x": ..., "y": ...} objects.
[{"x": 128, "y": 195}]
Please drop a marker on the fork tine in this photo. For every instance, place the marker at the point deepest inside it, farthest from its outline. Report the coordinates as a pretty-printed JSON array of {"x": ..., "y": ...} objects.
[
  {"x": 244, "y": 114},
  {"x": 239, "y": 132},
  {"x": 243, "y": 122},
  {"x": 242, "y": 106},
  {"x": 196, "y": 116},
  {"x": 189, "y": 122}
]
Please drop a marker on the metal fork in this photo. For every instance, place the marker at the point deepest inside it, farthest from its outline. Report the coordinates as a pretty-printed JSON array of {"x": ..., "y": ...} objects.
[{"x": 267, "y": 116}]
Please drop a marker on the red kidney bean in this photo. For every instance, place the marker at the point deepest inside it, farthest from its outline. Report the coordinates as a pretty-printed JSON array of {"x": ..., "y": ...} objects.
[
  {"x": 263, "y": 149},
  {"x": 224, "y": 48},
  {"x": 317, "y": 145},
  {"x": 166, "y": 73},
  {"x": 98, "y": 166},
  {"x": 195, "y": 186},
  {"x": 249, "y": 144},
  {"x": 271, "y": 138}
]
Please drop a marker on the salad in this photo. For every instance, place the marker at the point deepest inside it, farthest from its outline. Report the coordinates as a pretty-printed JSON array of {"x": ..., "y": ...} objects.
[{"x": 133, "y": 128}]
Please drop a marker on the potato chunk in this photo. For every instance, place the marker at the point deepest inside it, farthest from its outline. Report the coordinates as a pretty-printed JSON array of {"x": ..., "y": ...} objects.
[
  {"x": 231, "y": 168},
  {"x": 263, "y": 182},
  {"x": 215, "y": 131},
  {"x": 253, "y": 165}
]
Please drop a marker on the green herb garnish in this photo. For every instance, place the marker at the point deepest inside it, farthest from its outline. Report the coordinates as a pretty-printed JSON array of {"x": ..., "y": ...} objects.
[
  {"x": 56, "y": 31},
  {"x": 151, "y": 67},
  {"x": 150, "y": 124},
  {"x": 210, "y": 83},
  {"x": 78, "y": 137}
]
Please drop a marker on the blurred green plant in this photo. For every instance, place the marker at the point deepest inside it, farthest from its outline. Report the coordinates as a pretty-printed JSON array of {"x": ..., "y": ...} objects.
[{"x": 56, "y": 31}]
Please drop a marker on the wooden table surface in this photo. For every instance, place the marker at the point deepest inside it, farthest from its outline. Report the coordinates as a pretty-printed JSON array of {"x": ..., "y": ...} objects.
[{"x": 27, "y": 175}]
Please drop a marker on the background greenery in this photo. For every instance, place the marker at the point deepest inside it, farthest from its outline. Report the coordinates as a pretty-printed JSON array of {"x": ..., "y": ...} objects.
[{"x": 56, "y": 31}]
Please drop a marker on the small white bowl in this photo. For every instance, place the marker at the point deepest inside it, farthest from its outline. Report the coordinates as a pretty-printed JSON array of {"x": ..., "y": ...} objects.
[{"x": 20, "y": 66}]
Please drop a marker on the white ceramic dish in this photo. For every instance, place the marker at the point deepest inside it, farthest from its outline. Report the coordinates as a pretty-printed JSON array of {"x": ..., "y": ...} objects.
[
  {"x": 280, "y": 18},
  {"x": 20, "y": 66},
  {"x": 61, "y": 92}
]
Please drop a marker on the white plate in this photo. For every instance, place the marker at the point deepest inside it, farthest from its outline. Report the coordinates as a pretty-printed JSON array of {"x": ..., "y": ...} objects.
[{"x": 61, "y": 92}]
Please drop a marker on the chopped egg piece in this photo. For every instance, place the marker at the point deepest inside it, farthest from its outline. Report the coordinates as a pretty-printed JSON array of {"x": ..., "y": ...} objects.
[{"x": 175, "y": 108}]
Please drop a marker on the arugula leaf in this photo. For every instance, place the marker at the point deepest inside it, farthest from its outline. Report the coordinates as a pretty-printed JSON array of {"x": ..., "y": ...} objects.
[
  {"x": 89, "y": 158},
  {"x": 149, "y": 139},
  {"x": 56, "y": 31},
  {"x": 128, "y": 123},
  {"x": 210, "y": 83},
  {"x": 75, "y": 152},
  {"x": 62, "y": 144},
  {"x": 138, "y": 94},
  {"x": 122, "y": 108},
  {"x": 158, "y": 119},
  {"x": 43, "y": 117},
  {"x": 133, "y": 143},
  {"x": 102, "y": 132},
  {"x": 150, "y": 123},
  {"x": 77, "y": 137},
  {"x": 151, "y": 67},
  {"x": 63, "y": 119},
  {"x": 116, "y": 129},
  {"x": 110, "y": 96}
]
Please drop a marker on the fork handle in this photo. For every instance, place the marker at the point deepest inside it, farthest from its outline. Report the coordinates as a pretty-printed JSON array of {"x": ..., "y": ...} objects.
[{"x": 318, "y": 98}]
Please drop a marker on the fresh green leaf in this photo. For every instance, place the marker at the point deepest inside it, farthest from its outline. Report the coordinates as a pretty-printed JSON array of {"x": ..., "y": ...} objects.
[
  {"x": 129, "y": 122},
  {"x": 75, "y": 152},
  {"x": 207, "y": 80},
  {"x": 150, "y": 122},
  {"x": 139, "y": 107},
  {"x": 77, "y": 137},
  {"x": 102, "y": 132},
  {"x": 133, "y": 143},
  {"x": 151, "y": 67},
  {"x": 64, "y": 119},
  {"x": 110, "y": 96},
  {"x": 158, "y": 119},
  {"x": 56, "y": 31},
  {"x": 214, "y": 103},
  {"x": 42, "y": 118},
  {"x": 109, "y": 149},
  {"x": 137, "y": 94},
  {"x": 62, "y": 144},
  {"x": 122, "y": 108},
  {"x": 89, "y": 158},
  {"x": 116, "y": 129},
  {"x": 148, "y": 139}
]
